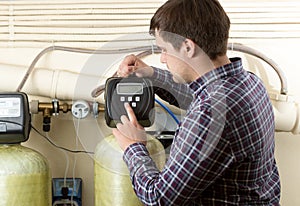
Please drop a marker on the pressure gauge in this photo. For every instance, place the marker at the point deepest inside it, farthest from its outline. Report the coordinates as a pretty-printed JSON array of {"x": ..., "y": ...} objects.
[{"x": 138, "y": 92}]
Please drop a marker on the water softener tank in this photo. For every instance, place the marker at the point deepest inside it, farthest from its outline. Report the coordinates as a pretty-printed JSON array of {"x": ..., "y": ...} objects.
[
  {"x": 24, "y": 173},
  {"x": 24, "y": 177},
  {"x": 112, "y": 181}
]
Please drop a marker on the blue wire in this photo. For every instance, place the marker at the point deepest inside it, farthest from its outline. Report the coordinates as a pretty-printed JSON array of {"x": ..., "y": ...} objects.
[{"x": 168, "y": 110}]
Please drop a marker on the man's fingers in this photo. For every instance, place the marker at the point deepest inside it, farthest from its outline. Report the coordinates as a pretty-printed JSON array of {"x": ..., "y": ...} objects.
[
  {"x": 116, "y": 132},
  {"x": 126, "y": 71},
  {"x": 124, "y": 119},
  {"x": 131, "y": 115},
  {"x": 127, "y": 66}
]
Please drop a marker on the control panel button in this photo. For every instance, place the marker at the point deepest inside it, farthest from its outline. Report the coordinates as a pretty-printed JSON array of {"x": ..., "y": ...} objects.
[{"x": 133, "y": 104}]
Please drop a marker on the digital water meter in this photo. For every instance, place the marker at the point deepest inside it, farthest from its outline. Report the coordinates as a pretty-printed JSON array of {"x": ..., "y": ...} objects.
[
  {"x": 15, "y": 118},
  {"x": 138, "y": 92}
]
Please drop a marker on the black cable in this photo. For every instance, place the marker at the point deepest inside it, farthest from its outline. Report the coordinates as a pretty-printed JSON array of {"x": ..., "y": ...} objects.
[{"x": 59, "y": 147}]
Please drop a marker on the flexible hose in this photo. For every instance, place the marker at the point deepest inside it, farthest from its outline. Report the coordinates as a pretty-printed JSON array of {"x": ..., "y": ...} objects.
[
  {"x": 255, "y": 53},
  {"x": 232, "y": 46},
  {"x": 147, "y": 50},
  {"x": 77, "y": 50},
  {"x": 168, "y": 110}
]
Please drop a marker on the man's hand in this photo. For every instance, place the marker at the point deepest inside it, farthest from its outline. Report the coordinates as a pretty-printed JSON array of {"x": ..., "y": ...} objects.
[
  {"x": 132, "y": 64},
  {"x": 129, "y": 131}
]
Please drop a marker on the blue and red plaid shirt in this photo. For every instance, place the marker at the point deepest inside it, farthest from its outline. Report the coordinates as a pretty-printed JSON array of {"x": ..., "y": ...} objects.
[{"x": 223, "y": 150}]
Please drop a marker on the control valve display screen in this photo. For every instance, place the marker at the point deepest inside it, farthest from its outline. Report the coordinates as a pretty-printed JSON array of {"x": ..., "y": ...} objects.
[
  {"x": 10, "y": 107},
  {"x": 130, "y": 88}
]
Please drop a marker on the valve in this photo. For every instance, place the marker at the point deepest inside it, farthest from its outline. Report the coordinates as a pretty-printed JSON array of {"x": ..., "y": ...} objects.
[
  {"x": 48, "y": 110},
  {"x": 80, "y": 109}
]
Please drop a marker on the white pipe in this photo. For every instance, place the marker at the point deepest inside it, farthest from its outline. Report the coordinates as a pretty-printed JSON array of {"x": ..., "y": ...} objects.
[
  {"x": 147, "y": 50},
  {"x": 58, "y": 84},
  {"x": 66, "y": 85},
  {"x": 76, "y": 50},
  {"x": 287, "y": 113},
  {"x": 296, "y": 129}
]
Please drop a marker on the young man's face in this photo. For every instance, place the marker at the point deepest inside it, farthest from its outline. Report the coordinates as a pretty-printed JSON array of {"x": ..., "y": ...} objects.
[{"x": 174, "y": 60}]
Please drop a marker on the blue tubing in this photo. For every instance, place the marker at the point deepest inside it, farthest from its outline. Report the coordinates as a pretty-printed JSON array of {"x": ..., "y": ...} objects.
[{"x": 168, "y": 110}]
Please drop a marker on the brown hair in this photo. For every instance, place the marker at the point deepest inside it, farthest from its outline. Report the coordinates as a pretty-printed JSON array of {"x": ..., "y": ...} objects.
[{"x": 203, "y": 21}]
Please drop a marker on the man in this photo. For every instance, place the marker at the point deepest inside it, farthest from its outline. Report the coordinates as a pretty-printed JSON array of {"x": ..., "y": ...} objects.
[{"x": 223, "y": 149}]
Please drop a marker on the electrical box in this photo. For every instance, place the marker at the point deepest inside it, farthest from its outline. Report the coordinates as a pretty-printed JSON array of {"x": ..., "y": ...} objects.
[
  {"x": 73, "y": 195},
  {"x": 138, "y": 92},
  {"x": 15, "y": 118}
]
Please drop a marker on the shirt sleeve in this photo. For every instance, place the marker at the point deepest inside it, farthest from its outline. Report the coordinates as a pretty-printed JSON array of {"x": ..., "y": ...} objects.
[
  {"x": 199, "y": 155},
  {"x": 177, "y": 94}
]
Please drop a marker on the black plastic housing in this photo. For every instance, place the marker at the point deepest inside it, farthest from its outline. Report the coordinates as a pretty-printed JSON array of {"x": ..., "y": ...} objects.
[
  {"x": 15, "y": 118},
  {"x": 114, "y": 107}
]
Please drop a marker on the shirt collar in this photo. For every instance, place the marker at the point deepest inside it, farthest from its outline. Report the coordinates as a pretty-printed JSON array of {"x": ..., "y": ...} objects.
[{"x": 227, "y": 70}]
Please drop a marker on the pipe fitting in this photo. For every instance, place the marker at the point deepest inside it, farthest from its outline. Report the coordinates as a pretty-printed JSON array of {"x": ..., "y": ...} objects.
[{"x": 287, "y": 113}]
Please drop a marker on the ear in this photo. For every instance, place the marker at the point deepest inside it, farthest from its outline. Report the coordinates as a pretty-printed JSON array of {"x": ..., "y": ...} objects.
[{"x": 190, "y": 47}]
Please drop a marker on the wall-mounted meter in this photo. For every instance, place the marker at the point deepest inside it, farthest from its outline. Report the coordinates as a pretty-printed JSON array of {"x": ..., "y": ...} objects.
[
  {"x": 138, "y": 92},
  {"x": 15, "y": 118}
]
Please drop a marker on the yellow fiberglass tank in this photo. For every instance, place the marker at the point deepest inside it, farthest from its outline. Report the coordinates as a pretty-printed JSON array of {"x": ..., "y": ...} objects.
[
  {"x": 112, "y": 180},
  {"x": 24, "y": 177}
]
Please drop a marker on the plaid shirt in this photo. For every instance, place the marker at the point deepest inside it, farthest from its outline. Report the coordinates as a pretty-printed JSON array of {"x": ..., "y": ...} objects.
[{"x": 222, "y": 151}]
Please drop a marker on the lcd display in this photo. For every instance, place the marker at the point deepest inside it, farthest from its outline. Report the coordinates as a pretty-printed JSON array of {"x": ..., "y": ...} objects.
[
  {"x": 129, "y": 88},
  {"x": 10, "y": 107}
]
